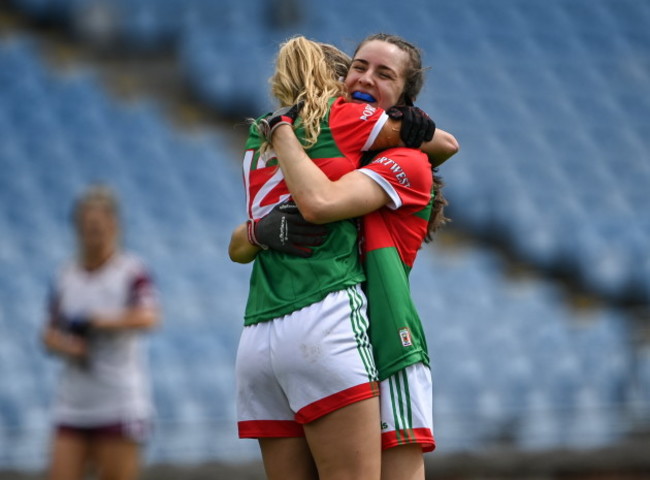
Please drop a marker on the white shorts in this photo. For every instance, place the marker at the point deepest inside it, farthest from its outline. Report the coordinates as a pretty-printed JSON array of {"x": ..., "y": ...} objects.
[
  {"x": 407, "y": 408},
  {"x": 294, "y": 369}
]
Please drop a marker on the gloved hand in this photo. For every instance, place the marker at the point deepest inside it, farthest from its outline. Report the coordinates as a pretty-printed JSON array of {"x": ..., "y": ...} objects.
[
  {"x": 78, "y": 325},
  {"x": 417, "y": 126},
  {"x": 285, "y": 230},
  {"x": 282, "y": 116}
]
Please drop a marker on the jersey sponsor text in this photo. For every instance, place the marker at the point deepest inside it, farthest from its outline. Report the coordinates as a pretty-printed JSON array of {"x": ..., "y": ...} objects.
[{"x": 400, "y": 174}]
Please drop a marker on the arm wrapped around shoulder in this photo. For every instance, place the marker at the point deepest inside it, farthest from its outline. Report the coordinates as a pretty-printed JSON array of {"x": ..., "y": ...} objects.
[
  {"x": 417, "y": 127},
  {"x": 282, "y": 116}
]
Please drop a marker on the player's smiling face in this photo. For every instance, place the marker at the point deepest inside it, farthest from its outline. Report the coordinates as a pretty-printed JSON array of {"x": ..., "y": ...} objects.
[{"x": 377, "y": 74}]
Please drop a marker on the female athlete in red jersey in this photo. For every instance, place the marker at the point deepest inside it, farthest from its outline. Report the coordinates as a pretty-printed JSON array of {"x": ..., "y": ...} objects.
[{"x": 396, "y": 188}]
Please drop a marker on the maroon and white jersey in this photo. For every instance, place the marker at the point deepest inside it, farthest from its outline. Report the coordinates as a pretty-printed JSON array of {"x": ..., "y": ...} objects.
[{"x": 113, "y": 384}]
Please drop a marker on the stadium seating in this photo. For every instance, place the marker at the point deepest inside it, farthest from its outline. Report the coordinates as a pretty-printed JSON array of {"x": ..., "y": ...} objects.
[
  {"x": 550, "y": 103},
  {"x": 526, "y": 90},
  {"x": 524, "y": 364},
  {"x": 178, "y": 193}
]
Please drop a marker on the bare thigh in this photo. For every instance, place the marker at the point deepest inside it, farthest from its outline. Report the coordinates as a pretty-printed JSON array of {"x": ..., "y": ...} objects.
[
  {"x": 70, "y": 455},
  {"x": 346, "y": 444},
  {"x": 287, "y": 459},
  {"x": 405, "y": 462},
  {"x": 116, "y": 458}
]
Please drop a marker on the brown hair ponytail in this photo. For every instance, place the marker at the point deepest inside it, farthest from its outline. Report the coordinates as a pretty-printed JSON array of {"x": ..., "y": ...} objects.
[{"x": 437, "y": 218}]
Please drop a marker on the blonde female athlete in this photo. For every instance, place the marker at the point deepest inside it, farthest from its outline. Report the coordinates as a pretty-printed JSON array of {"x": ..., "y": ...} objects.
[
  {"x": 337, "y": 129},
  {"x": 387, "y": 70},
  {"x": 100, "y": 303}
]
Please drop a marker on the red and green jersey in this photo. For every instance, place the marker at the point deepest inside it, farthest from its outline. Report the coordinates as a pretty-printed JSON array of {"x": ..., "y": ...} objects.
[
  {"x": 281, "y": 283},
  {"x": 391, "y": 238}
]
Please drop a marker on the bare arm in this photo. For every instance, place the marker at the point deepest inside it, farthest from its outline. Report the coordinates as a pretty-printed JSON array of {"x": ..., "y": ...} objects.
[
  {"x": 441, "y": 147},
  {"x": 319, "y": 199},
  {"x": 71, "y": 346},
  {"x": 322, "y": 201},
  {"x": 140, "y": 318},
  {"x": 63, "y": 344},
  {"x": 240, "y": 249}
]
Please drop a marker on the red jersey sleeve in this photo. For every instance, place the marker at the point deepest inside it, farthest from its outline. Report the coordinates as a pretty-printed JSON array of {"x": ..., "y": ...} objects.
[
  {"x": 404, "y": 174},
  {"x": 355, "y": 126}
]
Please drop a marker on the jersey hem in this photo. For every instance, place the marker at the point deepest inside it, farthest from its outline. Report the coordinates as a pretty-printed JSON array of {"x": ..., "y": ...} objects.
[
  {"x": 296, "y": 305},
  {"x": 401, "y": 363}
]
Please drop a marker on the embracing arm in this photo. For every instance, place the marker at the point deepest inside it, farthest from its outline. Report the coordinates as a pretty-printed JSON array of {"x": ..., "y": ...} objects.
[
  {"x": 319, "y": 199},
  {"x": 441, "y": 147},
  {"x": 240, "y": 250},
  {"x": 283, "y": 230}
]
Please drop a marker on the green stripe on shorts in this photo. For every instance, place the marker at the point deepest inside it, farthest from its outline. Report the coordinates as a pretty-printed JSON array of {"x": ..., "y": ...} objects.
[
  {"x": 360, "y": 326},
  {"x": 401, "y": 404}
]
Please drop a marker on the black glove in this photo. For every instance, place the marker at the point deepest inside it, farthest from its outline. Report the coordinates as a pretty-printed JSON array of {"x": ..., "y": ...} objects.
[
  {"x": 417, "y": 126},
  {"x": 282, "y": 116},
  {"x": 285, "y": 230},
  {"x": 78, "y": 325}
]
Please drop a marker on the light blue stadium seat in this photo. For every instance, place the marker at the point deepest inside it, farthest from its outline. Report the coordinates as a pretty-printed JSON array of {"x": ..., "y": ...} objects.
[
  {"x": 594, "y": 424},
  {"x": 641, "y": 393},
  {"x": 540, "y": 428}
]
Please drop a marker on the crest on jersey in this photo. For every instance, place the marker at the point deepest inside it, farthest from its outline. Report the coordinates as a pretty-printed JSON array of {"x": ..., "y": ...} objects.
[{"x": 405, "y": 336}]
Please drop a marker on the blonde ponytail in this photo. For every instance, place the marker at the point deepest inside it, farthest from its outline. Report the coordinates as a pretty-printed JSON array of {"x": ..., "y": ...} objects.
[{"x": 310, "y": 72}]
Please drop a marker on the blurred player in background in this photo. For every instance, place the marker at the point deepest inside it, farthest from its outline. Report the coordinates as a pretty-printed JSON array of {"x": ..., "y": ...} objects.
[
  {"x": 394, "y": 191},
  {"x": 100, "y": 304},
  {"x": 295, "y": 59}
]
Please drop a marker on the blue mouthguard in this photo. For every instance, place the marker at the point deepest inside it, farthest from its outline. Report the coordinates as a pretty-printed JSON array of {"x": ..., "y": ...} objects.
[{"x": 364, "y": 97}]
